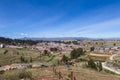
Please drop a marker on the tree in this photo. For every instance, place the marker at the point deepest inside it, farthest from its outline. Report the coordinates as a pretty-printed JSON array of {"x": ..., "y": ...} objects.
[
  {"x": 65, "y": 58},
  {"x": 76, "y": 53},
  {"x": 30, "y": 59},
  {"x": 22, "y": 59},
  {"x": 100, "y": 66},
  {"x": 92, "y": 64},
  {"x": 17, "y": 53},
  {"x": 114, "y": 44},
  {"x": 45, "y": 52},
  {"x": 80, "y": 51},
  {"x": 96, "y": 43},
  {"x": 53, "y": 49},
  {"x": 75, "y": 42},
  {"x": 5, "y": 52},
  {"x": 92, "y": 48},
  {"x": 26, "y": 61},
  {"x": 17, "y": 41},
  {"x": 73, "y": 54},
  {"x": 2, "y": 72}
]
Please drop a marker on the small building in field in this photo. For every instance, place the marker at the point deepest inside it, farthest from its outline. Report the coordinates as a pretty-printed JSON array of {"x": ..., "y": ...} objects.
[
  {"x": 6, "y": 68},
  {"x": 1, "y": 46},
  {"x": 12, "y": 46},
  {"x": 106, "y": 47}
]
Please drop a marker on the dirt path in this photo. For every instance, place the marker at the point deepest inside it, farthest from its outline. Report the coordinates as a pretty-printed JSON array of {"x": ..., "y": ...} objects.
[
  {"x": 111, "y": 57},
  {"x": 113, "y": 69}
]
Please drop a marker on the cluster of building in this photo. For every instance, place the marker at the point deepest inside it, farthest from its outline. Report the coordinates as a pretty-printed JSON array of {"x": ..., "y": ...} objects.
[
  {"x": 23, "y": 66},
  {"x": 9, "y": 46},
  {"x": 14, "y": 66},
  {"x": 108, "y": 49},
  {"x": 61, "y": 47}
]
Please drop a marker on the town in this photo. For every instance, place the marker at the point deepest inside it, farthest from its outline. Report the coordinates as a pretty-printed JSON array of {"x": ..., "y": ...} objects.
[{"x": 44, "y": 54}]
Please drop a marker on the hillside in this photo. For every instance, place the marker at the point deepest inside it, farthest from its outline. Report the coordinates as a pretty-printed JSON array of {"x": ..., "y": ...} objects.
[{"x": 48, "y": 74}]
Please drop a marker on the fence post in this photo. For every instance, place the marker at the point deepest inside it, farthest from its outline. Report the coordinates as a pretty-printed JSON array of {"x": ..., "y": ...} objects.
[
  {"x": 74, "y": 78},
  {"x": 60, "y": 76},
  {"x": 71, "y": 75}
]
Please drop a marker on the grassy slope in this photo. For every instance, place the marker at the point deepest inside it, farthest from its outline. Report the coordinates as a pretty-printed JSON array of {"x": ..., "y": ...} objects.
[
  {"x": 79, "y": 73},
  {"x": 12, "y": 55}
]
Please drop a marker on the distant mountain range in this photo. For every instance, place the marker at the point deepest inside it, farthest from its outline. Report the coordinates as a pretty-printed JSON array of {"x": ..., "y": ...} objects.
[
  {"x": 57, "y": 38},
  {"x": 69, "y": 38}
]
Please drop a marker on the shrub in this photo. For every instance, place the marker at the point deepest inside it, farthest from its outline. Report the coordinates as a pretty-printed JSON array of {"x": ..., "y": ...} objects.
[
  {"x": 25, "y": 74},
  {"x": 92, "y": 48},
  {"x": 6, "y": 51},
  {"x": 92, "y": 64},
  {"x": 100, "y": 66},
  {"x": 2, "y": 72},
  {"x": 31, "y": 59},
  {"x": 15, "y": 77},
  {"x": 108, "y": 71},
  {"x": 65, "y": 58}
]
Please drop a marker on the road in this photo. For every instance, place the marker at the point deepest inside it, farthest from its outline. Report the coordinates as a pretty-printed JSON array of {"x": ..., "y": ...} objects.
[
  {"x": 111, "y": 57},
  {"x": 111, "y": 68}
]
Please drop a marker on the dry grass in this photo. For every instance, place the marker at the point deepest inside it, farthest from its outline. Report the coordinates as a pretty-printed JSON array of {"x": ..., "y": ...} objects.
[
  {"x": 100, "y": 57},
  {"x": 79, "y": 73},
  {"x": 37, "y": 74},
  {"x": 13, "y": 55},
  {"x": 117, "y": 57},
  {"x": 88, "y": 74}
]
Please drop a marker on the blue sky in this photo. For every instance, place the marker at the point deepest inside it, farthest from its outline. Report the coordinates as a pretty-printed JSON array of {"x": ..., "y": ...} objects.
[{"x": 60, "y": 18}]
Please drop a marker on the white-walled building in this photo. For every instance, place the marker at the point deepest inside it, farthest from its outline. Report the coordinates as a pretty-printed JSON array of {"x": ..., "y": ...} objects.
[{"x": 1, "y": 45}]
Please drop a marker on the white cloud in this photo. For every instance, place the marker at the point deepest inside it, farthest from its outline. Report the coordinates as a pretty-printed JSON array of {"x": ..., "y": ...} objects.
[
  {"x": 103, "y": 29},
  {"x": 23, "y": 34}
]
